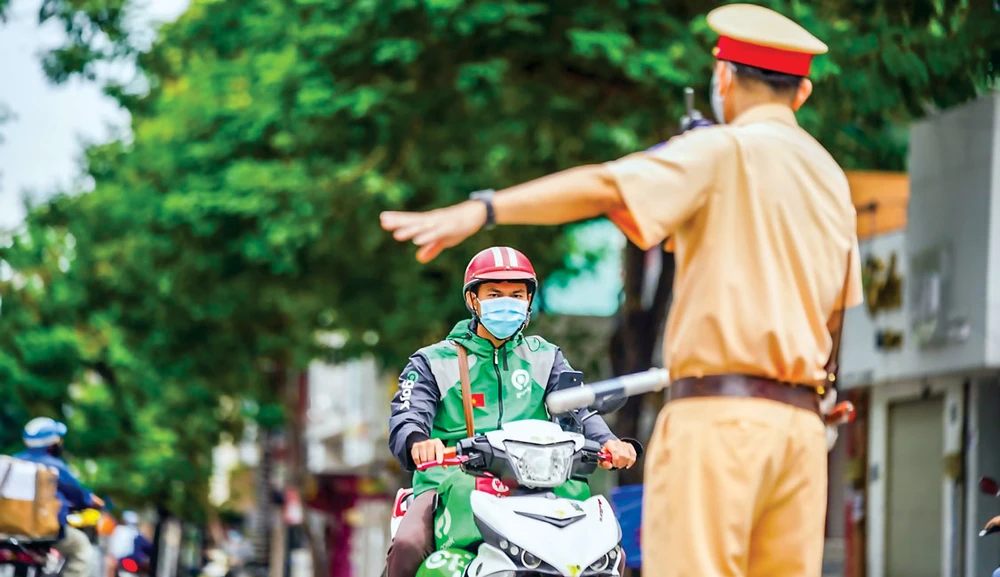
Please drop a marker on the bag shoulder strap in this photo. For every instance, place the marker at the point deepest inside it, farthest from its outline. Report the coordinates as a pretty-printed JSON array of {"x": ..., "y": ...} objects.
[
  {"x": 832, "y": 363},
  {"x": 463, "y": 375}
]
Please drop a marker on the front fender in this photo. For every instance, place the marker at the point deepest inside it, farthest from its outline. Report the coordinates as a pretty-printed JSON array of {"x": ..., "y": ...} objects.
[{"x": 445, "y": 563}]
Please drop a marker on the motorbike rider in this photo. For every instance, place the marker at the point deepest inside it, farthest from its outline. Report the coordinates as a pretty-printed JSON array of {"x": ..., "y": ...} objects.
[
  {"x": 44, "y": 439},
  {"x": 127, "y": 543},
  {"x": 510, "y": 376}
]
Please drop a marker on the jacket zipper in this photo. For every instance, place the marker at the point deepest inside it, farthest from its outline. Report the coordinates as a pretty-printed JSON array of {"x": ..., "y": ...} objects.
[{"x": 496, "y": 367}]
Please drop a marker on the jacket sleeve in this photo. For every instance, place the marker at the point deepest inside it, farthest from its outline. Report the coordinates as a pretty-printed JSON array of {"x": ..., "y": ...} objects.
[
  {"x": 594, "y": 428},
  {"x": 78, "y": 497},
  {"x": 413, "y": 409}
]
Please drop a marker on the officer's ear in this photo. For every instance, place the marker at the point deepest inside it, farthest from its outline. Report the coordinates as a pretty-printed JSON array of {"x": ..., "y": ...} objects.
[
  {"x": 802, "y": 94},
  {"x": 724, "y": 76}
]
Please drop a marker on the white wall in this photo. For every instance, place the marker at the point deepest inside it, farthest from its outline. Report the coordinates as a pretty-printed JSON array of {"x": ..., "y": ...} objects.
[
  {"x": 882, "y": 396},
  {"x": 954, "y": 169},
  {"x": 347, "y": 415}
]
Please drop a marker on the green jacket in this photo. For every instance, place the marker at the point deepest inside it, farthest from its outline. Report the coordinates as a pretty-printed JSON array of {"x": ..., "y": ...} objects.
[{"x": 508, "y": 383}]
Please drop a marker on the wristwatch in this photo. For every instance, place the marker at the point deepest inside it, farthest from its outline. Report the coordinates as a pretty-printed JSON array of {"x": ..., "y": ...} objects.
[{"x": 486, "y": 197}]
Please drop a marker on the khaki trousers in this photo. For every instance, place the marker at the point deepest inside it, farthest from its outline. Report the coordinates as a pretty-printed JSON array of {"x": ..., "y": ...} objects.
[
  {"x": 76, "y": 549},
  {"x": 734, "y": 488}
]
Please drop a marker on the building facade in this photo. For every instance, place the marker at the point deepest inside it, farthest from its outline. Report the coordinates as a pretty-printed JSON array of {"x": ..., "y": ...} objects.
[
  {"x": 922, "y": 359},
  {"x": 347, "y": 456}
]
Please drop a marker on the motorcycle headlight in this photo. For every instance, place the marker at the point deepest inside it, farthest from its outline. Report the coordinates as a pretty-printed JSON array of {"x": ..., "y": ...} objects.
[
  {"x": 540, "y": 465},
  {"x": 606, "y": 563}
]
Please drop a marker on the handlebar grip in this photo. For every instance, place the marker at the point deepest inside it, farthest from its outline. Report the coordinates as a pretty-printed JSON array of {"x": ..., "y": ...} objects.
[
  {"x": 451, "y": 458},
  {"x": 619, "y": 387},
  {"x": 569, "y": 399}
]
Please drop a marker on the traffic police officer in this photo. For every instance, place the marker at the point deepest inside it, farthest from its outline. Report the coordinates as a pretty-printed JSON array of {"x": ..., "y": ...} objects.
[{"x": 760, "y": 218}]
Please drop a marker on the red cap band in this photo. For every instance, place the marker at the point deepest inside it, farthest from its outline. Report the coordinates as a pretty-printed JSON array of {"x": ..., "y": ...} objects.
[{"x": 775, "y": 59}]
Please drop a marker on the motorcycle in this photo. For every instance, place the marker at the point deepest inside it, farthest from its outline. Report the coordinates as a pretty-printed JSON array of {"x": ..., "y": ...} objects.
[
  {"x": 527, "y": 531},
  {"x": 21, "y": 557},
  {"x": 29, "y": 558}
]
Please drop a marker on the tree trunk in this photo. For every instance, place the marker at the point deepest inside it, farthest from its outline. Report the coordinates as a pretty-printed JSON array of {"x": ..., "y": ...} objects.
[
  {"x": 297, "y": 391},
  {"x": 633, "y": 345}
]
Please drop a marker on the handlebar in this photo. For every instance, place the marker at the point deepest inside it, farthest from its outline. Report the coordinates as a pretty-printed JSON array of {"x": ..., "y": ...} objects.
[
  {"x": 566, "y": 400},
  {"x": 451, "y": 458}
]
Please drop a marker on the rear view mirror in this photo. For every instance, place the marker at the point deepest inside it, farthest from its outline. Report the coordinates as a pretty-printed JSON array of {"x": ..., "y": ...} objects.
[
  {"x": 989, "y": 486},
  {"x": 568, "y": 379},
  {"x": 607, "y": 406}
]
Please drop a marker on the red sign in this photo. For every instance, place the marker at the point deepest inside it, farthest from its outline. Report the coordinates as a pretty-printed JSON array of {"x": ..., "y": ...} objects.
[{"x": 492, "y": 486}]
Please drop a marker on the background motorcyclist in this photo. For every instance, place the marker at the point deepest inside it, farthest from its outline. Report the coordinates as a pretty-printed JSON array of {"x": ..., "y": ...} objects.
[
  {"x": 44, "y": 439},
  {"x": 510, "y": 376},
  {"x": 129, "y": 548}
]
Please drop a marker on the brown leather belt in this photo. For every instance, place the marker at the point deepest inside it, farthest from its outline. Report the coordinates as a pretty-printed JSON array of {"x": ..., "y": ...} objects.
[{"x": 745, "y": 386}]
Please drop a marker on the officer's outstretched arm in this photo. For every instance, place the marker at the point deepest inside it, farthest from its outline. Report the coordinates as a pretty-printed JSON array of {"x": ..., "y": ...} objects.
[{"x": 413, "y": 409}]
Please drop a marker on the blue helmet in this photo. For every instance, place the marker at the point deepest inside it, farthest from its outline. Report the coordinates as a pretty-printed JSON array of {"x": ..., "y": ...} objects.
[{"x": 43, "y": 432}]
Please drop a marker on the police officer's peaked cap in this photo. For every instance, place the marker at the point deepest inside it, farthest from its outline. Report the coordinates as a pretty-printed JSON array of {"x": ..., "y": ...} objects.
[{"x": 760, "y": 37}]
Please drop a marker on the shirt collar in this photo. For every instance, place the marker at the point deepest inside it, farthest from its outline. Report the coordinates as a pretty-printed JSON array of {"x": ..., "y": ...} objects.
[{"x": 766, "y": 113}]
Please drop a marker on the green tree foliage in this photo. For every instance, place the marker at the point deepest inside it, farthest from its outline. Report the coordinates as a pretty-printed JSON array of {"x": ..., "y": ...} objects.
[{"x": 241, "y": 216}]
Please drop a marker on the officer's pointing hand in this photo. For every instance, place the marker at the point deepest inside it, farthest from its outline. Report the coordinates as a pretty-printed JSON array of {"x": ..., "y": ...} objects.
[
  {"x": 436, "y": 230},
  {"x": 622, "y": 455}
]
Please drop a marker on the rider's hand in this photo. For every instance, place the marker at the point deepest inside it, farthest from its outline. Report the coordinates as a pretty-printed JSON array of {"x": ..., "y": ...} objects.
[
  {"x": 436, "y": 230},
  {"x": 622, "y": 455},
  {"x": 993, "y": 522},
  {"x": 431, "y": 450},
  {"x": 96, "y": 501}
]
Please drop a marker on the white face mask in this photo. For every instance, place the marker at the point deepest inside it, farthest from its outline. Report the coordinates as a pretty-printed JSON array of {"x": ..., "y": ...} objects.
[{"x": 717, "y": 99}]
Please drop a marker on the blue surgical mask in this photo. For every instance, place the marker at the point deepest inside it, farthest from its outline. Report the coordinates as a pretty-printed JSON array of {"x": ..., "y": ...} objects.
[{"x": 503, "y": 316}]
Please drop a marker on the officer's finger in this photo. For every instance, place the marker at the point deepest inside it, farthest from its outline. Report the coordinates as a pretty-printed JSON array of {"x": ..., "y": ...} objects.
[
  {"x": 606, "y": 465},
  {"x": 428, "y": 252},
  {"x": 439, "y": 452},
  {"x": 410, "y": 230},
  {"x": 415, "y": 453},
  {"x": 432, "y": 232},
  {"x": 392, "y": 220}
]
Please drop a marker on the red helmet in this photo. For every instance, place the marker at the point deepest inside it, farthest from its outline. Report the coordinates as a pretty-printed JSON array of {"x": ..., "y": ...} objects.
[{"x": 499, "y": 263}]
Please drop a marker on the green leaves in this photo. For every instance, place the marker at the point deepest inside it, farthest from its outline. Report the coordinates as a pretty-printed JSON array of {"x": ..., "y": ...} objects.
[{"x": 242, "y": 215}]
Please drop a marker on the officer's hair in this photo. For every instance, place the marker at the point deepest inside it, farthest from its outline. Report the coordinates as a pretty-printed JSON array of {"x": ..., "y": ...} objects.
[{"x": 780, "y": 83}]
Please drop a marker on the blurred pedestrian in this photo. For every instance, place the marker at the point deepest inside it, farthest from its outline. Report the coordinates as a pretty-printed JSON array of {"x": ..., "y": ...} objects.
[{"x": 128, "y": 547}]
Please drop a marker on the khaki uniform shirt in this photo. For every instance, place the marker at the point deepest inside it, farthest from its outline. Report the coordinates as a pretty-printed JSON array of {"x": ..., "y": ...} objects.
[{"x": 762, "y": 223}]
